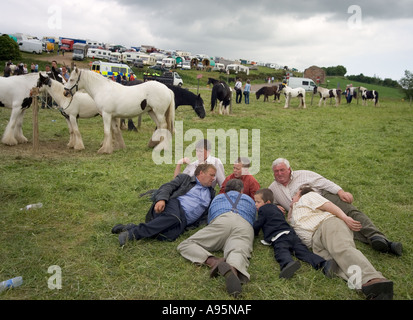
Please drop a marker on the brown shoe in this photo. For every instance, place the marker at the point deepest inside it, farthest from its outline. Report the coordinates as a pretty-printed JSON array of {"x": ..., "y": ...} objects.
[
  {"x": 378, "y": 289},
  {"x": 232, "y": 281},
  {"x": 214, "y": 262}
]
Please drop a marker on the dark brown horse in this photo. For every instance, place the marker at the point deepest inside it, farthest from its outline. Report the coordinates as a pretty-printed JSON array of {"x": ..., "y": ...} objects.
[{"x": 268, "y": 91}]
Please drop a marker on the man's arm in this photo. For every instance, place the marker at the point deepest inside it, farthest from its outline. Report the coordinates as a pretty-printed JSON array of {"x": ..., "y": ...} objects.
[{"x": 333, "y": 209}]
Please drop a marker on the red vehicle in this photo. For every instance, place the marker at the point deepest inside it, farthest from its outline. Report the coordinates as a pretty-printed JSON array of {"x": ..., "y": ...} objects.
[{"x": 67, "y": 45}]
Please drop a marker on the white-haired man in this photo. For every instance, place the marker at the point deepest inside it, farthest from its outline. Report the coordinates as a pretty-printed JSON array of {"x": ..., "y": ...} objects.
[{"x": 287, "y": 182}]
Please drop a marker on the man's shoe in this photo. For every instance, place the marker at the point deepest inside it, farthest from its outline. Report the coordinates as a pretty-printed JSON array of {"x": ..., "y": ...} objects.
[
  {"x": 214, "y": 269},
  {"x": 378, "y": 289},
  {"x": 396, "y": 248},
  {"x": 379, "y": 244},
  {"x": 123, "y": 238},
  {"x": 232, "y": 281},
  {"x": 330, "y": 268},
  {"x": 288, "y": 271},
  {"x": 121, "y": 227}
]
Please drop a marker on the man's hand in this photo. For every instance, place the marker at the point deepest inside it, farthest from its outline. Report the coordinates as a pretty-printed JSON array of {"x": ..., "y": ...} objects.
[
  {"x": 159, "y": 206},
  {"x": 345, "y": 196},
  {"x": 352, "y": 224}
]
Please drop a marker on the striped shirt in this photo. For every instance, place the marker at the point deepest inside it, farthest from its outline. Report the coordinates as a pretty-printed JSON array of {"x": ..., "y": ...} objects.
[
  {"x": 284, "y": 194},
  {"x": 306, "y": 218},
  {"x": 220, "y": 205}
]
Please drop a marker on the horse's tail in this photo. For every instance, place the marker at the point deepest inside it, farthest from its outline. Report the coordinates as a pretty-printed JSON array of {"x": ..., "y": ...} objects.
[
  {"x": 170, "y": 114},
  {"x": 214, "y": 97}
]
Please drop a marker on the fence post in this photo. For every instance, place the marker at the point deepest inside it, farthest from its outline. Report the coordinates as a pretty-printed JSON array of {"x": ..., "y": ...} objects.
[{"x": 35, "y": 106}]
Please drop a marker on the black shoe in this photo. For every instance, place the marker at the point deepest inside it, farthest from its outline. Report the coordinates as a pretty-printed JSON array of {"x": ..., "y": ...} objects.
[
  {"x": 123, "y": 238},
  {"x": 396, "y": 248},
  {"x": 330, "y": 268},
  {"x": 288, "y": 271},
  {"x": 379, "y": 244},
  {"x": 378, "y": 289},
  {"x": 121, "y": 227}
]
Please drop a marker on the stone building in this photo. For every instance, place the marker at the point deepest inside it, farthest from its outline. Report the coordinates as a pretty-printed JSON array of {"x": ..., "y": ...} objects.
[{"x": 315, "y": 73}]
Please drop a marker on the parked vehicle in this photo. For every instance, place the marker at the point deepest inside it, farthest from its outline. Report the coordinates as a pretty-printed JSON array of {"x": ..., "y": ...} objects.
[
  {"x": 238, "y": 68},
  {"x": 168, "y": 77},
  {"x": 138, "y": 63},
  {"x": 169, "y": 62},
  {"x": 98, "y": 53},
  {"x": 32, "y": 46},
  {"x": 67, "y": 45},
  {"x": 129, "y": 56},
  {"x": 186, "y": 65},
  {"x": 108, "y": 69},
  {"x": 305, "y": 83},
  {"x": 79, "y": 51},
  {"x": 115, "y": 57}
]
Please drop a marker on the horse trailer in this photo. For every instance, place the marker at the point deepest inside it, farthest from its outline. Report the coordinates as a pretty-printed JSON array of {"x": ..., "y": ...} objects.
[{"x": 306, "y": 83}]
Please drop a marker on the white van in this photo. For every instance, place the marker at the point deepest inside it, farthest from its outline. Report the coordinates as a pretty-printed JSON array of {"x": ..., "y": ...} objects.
[
  {"x": 32, "y": 46},
  {"x": 169, "y": 62},
  {"x": 129, "y": 56},
  {"x": 305, "y": 83},
  {"x": 108, "y": 69},
  {"x": 238, "y": 68}
]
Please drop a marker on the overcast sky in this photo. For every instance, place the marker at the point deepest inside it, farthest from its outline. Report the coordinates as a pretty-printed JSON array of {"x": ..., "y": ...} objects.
[{"x": 373, "y": 37}]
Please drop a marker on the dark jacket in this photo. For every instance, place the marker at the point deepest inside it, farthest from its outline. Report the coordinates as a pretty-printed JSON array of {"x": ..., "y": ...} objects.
[
  {"x": 272, "y": 222},
  {"x": 173, "y": 189}
]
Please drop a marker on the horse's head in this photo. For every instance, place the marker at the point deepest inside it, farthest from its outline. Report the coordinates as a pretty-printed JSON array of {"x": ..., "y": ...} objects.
[
  {"x": 43, "y": 81},
  {"x": 72, "y": 85},
  {"x": 199, "y": 107},
  {"x": 281, "y": 86}
]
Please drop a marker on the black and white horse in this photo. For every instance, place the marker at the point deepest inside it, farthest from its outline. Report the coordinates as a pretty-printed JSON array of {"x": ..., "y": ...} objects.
[
  {"x": 369, "y": 95},
  {"x": 292, "y": 93},
  {"x": 15, "y": 95},
  {"x": 222, "y": 92},
  {"x": 183, "y": 97},
  {"x": 328, "y": 93}
]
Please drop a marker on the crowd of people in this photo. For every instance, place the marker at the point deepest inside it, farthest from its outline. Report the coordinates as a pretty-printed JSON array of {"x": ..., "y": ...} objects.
[{"x": 301, "y": 214}]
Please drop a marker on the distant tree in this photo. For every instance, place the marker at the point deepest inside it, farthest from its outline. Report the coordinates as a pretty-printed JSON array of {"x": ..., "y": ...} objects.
[
  {"x": 407, "y": 84},
  {"x": 9, "y": 50},
  {"x": 335, "y": 71}
]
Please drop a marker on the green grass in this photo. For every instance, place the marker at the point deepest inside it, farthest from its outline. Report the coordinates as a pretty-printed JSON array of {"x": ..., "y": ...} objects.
[{"x": 366, "y": 150}]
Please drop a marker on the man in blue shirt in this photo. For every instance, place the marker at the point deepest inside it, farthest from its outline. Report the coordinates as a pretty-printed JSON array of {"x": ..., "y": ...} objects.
[
  {"x": 182, "y": 202},
  {"x": 230, "y": 229}
]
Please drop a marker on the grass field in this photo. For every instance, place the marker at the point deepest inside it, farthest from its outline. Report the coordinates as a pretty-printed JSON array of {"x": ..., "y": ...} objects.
[{"x": 366, "y": 150}]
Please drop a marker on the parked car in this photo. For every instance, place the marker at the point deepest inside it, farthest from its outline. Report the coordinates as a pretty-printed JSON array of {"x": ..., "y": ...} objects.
[{"x": 138, "y": 63}]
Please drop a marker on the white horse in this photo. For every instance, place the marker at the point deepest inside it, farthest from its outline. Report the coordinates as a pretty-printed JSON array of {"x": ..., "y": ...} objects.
[
  {"x": 292, "y": 93},
  {"x": 80, "y": 105},
  {"x": 328, "y": 93},
  {"x": 15, "y": 95},
  {"x": 114, "y": 100}
]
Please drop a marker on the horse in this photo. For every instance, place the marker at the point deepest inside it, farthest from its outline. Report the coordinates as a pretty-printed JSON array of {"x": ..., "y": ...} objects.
[
  {"x": 80, "y": 105},
  {"x": 15, "y": 95},
  {"x": 369, "y": 95},
  {"x": 292, "y": 93},
  {"x": 328, "y": 93},
  {"x": 183, "y": 97},
  {"x": 114, "y": 100},
  {"x": 268, "y": 91},
  {"x": 222, "y": 92}
]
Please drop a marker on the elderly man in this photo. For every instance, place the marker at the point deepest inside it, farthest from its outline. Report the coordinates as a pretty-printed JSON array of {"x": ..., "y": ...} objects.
[
  {"x": 287, "y": 182},
  {"x": 182, "y": 202}
]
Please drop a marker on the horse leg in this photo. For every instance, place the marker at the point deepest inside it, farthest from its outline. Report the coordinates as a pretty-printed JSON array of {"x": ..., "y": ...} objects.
[
  {"x": 78, "y": 142},
  {"x": 152, "y": 143},
  {"x": 303, "y": 102},
  {"x": 18, "y": 129},
  {"x": 161, "y": 136},
  {"x": 9, "y": 137},
  {"x": 72, "y": 138},
  {"x": 118, "y": 142},
  {"x": 107, "y": 146}
]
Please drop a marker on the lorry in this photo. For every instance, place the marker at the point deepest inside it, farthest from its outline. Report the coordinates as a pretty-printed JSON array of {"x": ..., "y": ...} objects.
[
  {"x": 80, "y": 51},
  {"x": 32, "y": 46},
  {"x": 108, "y": 69},
  {"x": 296, "y": 82},
  {"x": 67, "y": 44},
  {"x": 168, "y": 78}
]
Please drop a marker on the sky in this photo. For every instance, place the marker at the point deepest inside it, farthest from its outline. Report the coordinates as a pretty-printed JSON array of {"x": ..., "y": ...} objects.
[{"x": 372, "y": 37}]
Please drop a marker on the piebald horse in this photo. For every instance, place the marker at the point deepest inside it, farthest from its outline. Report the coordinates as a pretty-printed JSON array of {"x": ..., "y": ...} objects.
[
  {"x": 328, "y": 93},
  {"x": 292, "y": 93},
  {"x": 114, "y": 100}
]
